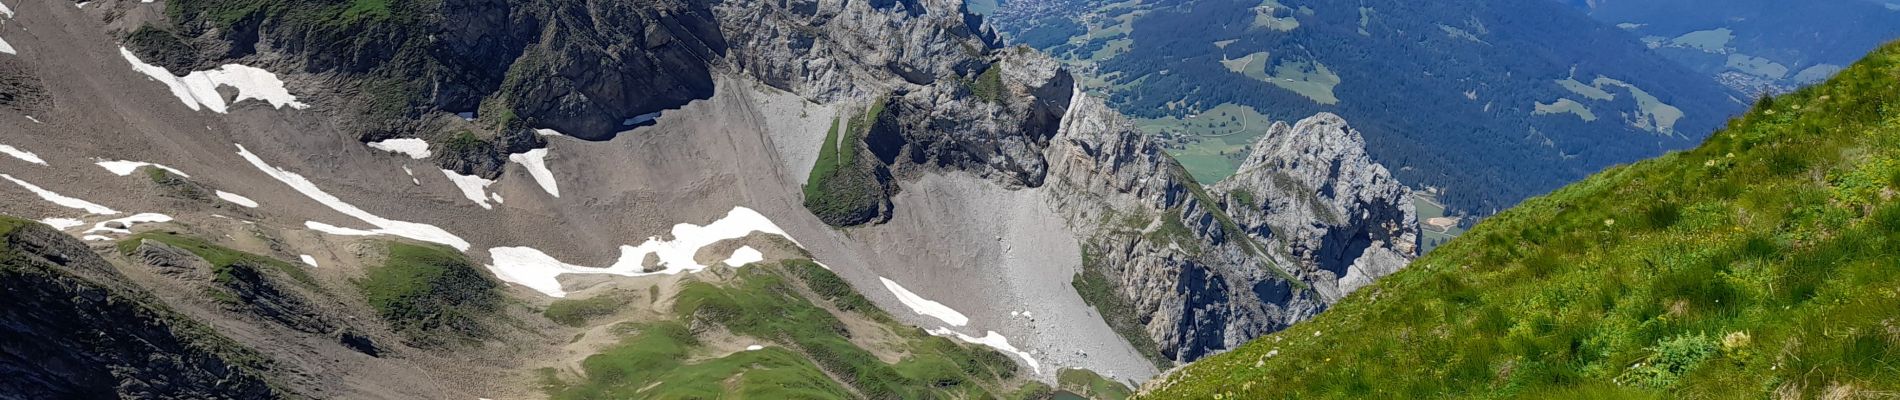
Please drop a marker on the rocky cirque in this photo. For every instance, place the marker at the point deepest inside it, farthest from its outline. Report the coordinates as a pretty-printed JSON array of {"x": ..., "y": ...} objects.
[{"x": 1011, "y": 195}]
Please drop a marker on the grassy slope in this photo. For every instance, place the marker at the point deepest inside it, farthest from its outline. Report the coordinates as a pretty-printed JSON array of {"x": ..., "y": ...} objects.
[
  {"x": 1758, "y": 264},
  {"x": 766, "y": 301},
  {"x": 222, "y": 259},
  {"x": 430, "y": 293}
]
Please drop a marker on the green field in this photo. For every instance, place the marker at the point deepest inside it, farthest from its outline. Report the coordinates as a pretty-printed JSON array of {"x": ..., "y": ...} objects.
[
  {"x": 1428, "y": 208},
  {"x": 1306, "y": 77},
  {"x": 1713, "y": 40},
  {"x": 1565, "y": 106},
  {"x": 1210, "y": 144}
]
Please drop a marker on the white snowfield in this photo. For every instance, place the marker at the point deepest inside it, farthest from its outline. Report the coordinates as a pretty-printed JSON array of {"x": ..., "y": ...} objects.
[
  {"x": 23, "y": 155},
  {"x": 754, "y": 348},
  {"x": 307, "y": 259},
  {"x": 993, "y": 340},
  {"x": 384, "y": 226},
  {"x": 62, "y": 201},
  {"x": 8, "y": 47},
  {"x": 125, "y": 224},
  {"x": 536, "y": 270},
  {"x": 412, "y": 147},
  {"x": 234, "y": 198},
  {"x": 536, "y": 162},
  {"x": 412, "y": 175},
  {"x": 744, "y": 255},
  {"x": 475, "y": 188},
  {"x": 62, "y": 223},
  {"x": 924, "y": 306},
  {"x": 199, "y": 89},
  {"x": 548, "y": 132},
  {"x": 123, "y": 167},
  {"x": 6, "y": 12}
]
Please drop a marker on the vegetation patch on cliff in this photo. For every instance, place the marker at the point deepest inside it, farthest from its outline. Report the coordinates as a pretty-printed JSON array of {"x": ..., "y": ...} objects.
[
  {"x": 223, "y": 260},
  {"x": 844, "y": 188},
  {"x": 430, "y": 293},
  {"x": 1098, "y": 291}
]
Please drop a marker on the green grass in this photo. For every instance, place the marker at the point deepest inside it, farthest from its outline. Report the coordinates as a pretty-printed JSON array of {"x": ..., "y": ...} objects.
[
  {"x": 1212, "y": 143},
  {"x": 834, "y": 289},
  {"x": 1760, "y": 264},
  {"x": 578, "y": 312},
  {"x": 652, "y": 362},
  {"x": 464, "y": 141},
  {"x": 989, "y": 85},
  {"x": 1088, "y": 383},
  {"x": 430, "y": 293},
  {"x": 768, "y": 302},
  {"x": 1308, "y": 78},
  {"x": 223, "y": 260},
  {"x": 843, "y": 188}
]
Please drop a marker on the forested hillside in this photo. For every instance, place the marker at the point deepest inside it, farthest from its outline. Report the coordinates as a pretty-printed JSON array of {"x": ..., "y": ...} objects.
[
  {"x": 1756, "y": 46},
  {"x": 1757, "y": 265},
  {"x": 1492, "y": 101}
]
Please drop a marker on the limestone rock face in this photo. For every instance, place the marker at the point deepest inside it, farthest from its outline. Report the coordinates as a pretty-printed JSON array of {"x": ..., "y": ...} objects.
[
  {"x": 1308, "y": 219},
  {"x": 1312, "y": 187}
]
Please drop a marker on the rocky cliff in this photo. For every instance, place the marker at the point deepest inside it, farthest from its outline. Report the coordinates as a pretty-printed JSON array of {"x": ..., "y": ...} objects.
[
  {"x": 1311, "y": 187},
  {"x": 76, "y": 328},
  {"x": 1205, "y": 271}
]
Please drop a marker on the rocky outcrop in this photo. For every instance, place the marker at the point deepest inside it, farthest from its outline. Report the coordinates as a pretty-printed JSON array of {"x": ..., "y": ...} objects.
[
  {"x": 1311, "y": 187},
  {"x": 1207, "y": 271},
  {"x": 77, "y": 329}
]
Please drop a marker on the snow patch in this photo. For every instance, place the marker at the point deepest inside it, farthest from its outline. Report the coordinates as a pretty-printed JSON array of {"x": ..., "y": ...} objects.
[
  {"x": 199, "y": 89},
  {"x": 7, "y": 47},
  {"x": 412, "y": 147},
  {"x": 412, "y": 175},
  {"x": 123, "y": 168},
  {"x": 475, "y": 188},
  {"x": 308, "y": 260},
  {"x": 125, "y": 224},
  {"x": 35, "y": 120},
  {"x": 23, "y": 155},
  {"x": 924, "y": 306},
  {"x": 234, "y": 198},
  {"x": 95, "y": 237},
  {"x": 4, "y": 11},
  {"x": 754, "y": 348},
  {"x": 536, "y": 162},
  {"x": 993, "y": 340},
  {"x": 744, "y": 255},
  {"x": 62, "y": 201},
  {"x": 641, "y": 119},
  {"x": 384, "y": 226},
  {"x": 548, "y": 132},
  {"x": 536, "y": 270},
  {"x": 62, "y": 223}
]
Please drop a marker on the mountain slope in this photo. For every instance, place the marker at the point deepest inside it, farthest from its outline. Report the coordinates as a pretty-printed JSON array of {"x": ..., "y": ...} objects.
[
  {"x": 1759, "y": 264},
  {"x": 445, "y": 251},
  {"x": 1756, "y": 46},
  {"x": 1489, "y": 101}
]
